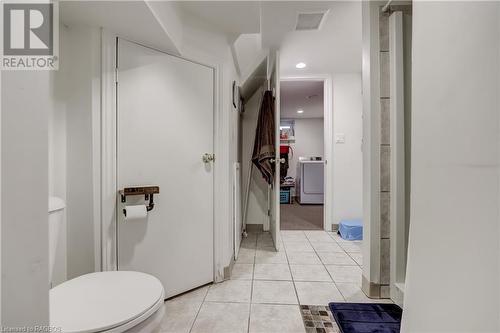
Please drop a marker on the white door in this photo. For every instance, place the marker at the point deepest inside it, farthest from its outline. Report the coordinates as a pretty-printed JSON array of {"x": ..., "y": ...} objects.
[
  {"x": 164, "y": 125},
  {"x": 238, "y": 222},
  {"x": 275, "y": 224}
]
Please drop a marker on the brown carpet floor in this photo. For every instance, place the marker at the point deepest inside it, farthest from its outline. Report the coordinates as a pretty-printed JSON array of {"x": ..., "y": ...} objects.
[{"x": 301, "y": 217}]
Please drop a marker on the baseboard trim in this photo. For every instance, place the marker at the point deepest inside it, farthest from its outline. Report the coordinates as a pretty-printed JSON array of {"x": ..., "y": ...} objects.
[
  {"x": 254, "y": 228},
  {"x": 228, "y": 270},
  {"x": 371, "y": 289}
]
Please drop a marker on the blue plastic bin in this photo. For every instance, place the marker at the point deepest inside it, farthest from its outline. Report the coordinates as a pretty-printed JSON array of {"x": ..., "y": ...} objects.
[
  {"x": 284, "y": 196},
  {"x": 351, "y": 229}
]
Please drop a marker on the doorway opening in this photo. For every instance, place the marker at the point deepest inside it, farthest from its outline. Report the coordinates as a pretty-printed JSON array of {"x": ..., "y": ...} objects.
[{"x": 302, "y": 153}]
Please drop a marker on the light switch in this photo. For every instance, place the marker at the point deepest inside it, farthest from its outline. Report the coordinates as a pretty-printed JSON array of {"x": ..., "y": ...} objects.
[{"x": 340, "y": 138}]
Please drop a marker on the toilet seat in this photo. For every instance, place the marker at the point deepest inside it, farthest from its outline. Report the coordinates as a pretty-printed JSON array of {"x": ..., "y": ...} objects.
[{"x": 105, "y": 302}]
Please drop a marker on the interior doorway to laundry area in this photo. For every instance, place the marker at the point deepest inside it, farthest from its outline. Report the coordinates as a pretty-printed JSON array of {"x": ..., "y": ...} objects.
[{"x": 302, "y": 153}]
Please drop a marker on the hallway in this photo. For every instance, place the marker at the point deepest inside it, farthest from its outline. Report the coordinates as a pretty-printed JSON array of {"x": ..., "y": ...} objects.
[
  {"x": 301, "y": 217},
  {"x": 268, "y": 289}
]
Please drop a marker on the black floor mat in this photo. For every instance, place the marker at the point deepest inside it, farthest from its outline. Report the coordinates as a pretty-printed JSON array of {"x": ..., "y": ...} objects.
[{"x": 367, "y": 317}]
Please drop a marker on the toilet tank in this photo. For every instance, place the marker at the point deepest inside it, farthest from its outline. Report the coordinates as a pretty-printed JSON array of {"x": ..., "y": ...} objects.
[{"x": 57, "y": 241}]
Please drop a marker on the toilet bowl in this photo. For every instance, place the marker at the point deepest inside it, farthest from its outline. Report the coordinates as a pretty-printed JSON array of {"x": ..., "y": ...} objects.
[{"x": 112, "y": 302}]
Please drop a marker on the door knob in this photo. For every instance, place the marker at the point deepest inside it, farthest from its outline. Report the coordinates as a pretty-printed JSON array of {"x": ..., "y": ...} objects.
[{"x": 207, "y": 158}]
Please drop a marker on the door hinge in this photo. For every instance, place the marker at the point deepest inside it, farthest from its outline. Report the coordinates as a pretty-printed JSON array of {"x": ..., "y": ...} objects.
[{"x": 116, "y": 75}]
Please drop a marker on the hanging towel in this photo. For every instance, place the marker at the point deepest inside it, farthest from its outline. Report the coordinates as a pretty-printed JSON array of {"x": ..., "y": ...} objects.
[{"x": 264, "y": 146}]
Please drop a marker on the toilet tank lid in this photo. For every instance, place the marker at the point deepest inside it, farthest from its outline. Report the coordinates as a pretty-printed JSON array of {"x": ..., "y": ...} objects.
[{"x": 56, "y": 204}]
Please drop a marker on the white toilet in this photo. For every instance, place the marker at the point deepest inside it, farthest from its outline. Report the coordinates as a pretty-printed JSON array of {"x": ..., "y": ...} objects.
[{"x": 117, "y": 301}]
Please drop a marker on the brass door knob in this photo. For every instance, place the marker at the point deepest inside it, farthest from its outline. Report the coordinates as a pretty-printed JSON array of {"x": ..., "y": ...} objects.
[{"x": 207, "y": 158}]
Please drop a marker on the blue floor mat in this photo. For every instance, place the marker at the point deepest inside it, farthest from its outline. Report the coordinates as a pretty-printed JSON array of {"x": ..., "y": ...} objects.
[{"x": 367, "y": 317}]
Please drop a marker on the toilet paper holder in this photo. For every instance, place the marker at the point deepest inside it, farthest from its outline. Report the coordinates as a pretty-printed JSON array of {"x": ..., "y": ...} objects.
[{"x": 147, "y": 191}]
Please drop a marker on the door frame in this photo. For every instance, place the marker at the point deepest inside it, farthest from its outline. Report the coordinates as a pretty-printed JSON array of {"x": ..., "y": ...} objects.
[
  {"x": 108, "y": 174},
  {"x": 398, "y": 226},
  {"x": 328, "y": 203}
]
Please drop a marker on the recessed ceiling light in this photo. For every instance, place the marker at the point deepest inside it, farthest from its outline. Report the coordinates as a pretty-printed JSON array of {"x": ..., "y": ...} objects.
[
  {"x": 300, "y": 111},
  {"x": 300, "y": 65}
]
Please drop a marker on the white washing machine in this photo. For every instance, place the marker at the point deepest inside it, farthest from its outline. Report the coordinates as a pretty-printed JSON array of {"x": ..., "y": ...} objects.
[{"x": 310, "y": 182}]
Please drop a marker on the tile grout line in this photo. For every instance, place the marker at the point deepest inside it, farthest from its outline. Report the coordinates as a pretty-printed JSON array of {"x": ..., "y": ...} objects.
[
  {"x": 225, "y": 302},
  {"x": 252, "y": 282},
  {"x": 360, "y": 267},
  {"x": 324, "y": 266},
  {"x": 293, "y": 282},
  {"x": 255, "y": 247},
  {"x": 345, "y": 300},
  {"x": 349, "y": 257},
  {"x": 199, "y": 309},
  {"x": 348, "y": 253}
]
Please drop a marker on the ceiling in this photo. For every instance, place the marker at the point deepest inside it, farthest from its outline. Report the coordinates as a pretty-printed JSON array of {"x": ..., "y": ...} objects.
[
  {"x": 335, "y": 48},
  {"x": 261, "y": 25},
  {"x": 133, "y": 19},
  {"x": 229, "y": 17},
  {"x": 301, "y": 95}
]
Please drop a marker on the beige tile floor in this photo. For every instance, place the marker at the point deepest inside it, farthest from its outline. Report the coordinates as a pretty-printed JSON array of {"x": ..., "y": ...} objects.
[{"x": 267, "y": 287}]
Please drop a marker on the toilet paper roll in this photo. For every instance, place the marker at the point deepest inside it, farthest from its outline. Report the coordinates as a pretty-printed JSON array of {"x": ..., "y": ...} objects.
[{"x": 135, "y": 212}]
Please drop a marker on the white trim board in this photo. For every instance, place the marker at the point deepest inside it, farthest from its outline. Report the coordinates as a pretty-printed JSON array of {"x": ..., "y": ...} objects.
[
  {"x": 108, "y": 152},
  {"x": 398, "y": 251},
  {"x": 275, "y": 215},
  {"x": 371, "y": 143},
  {"x": 96, "y": 154},
  {"x": 107, "y": 221},
  {"x": 328, "y": 141}
]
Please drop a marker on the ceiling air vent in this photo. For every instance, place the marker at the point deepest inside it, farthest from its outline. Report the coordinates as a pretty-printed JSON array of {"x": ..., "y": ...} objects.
[{"x": 309, "y": 21}]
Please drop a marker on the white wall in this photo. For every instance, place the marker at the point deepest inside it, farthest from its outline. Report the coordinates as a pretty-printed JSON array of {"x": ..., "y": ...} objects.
[
  {"x": 51, "y": 159},
  {"x": 167, "y": 13},
  {"x": 26, "y": 101},
  {"x": 453, "y": 264},
  {"x": 57, "y": 157},
  {"x": 249, "y": 53},
  {"x": 347, "y": 157},
  {"x": 83, "y": 77},
  {"x": 309, "y": 141},
  {"x": 71, "y": 147},
  {"x": 57, "y": 128}
]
